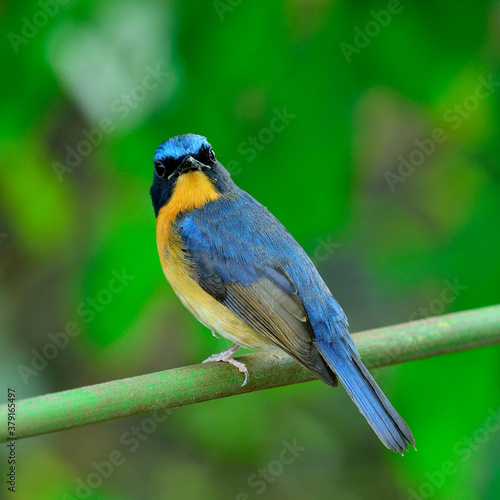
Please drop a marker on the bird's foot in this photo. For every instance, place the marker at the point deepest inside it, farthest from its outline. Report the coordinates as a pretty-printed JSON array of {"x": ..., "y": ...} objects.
[
  {"x": 227, "y": 357},
  {"x": 215, "y": 335}
]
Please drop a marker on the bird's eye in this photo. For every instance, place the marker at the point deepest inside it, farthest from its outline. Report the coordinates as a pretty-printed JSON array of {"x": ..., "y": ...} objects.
[
  {"x": 160, "y": 169},
  {"x": 211, "y": 154}
]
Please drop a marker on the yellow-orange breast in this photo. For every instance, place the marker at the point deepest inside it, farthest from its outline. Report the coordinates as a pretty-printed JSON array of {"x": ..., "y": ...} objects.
[{"x": 193, "y": 190}]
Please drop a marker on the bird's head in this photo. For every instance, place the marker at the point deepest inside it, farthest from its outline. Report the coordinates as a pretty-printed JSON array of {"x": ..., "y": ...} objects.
[{"x": 185, "y": 165}]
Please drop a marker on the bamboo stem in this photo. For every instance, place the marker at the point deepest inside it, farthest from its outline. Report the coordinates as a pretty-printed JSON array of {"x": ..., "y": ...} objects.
[{"x": 203, "y": 382}]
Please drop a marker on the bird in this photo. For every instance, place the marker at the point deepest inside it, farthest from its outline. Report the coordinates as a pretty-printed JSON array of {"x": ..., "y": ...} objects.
[{"x": 239, "y": 271}]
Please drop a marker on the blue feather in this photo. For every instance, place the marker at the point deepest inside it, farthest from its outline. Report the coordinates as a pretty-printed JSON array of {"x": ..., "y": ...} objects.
[
  {"x": 243, "y": 239},
  {"x": 361, "y": 387}
]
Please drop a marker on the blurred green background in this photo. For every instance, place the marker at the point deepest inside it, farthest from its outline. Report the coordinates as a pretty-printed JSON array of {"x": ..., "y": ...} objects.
[{"x": 401, "y": 226}]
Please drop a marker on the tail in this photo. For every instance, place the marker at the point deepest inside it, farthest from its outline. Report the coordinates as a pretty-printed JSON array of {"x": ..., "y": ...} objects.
[{"x": 341, "y": 357}]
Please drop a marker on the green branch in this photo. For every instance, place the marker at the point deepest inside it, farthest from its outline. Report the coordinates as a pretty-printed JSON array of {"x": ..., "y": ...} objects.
[{"x": 203, "y": 382}]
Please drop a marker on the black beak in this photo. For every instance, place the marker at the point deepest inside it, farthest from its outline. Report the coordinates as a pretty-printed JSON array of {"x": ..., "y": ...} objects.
[{"x": 189, "y": 163}]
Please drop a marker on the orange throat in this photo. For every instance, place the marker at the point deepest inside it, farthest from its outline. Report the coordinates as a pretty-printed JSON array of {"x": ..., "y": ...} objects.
[{"x": 191, "y": 190}]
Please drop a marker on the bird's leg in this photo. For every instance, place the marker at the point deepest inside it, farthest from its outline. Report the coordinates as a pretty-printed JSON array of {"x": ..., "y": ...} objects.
[
  {"x": 215, "y": 335},
  {"x": 227, "y": 357}
]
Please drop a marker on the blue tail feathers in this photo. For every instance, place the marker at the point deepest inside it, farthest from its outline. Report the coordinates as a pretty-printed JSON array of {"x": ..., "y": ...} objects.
[{"x": 363, "y": 390}]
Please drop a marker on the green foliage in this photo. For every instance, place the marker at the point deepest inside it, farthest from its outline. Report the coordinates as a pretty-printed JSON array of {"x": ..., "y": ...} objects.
[{"x": 324, "y": 175}]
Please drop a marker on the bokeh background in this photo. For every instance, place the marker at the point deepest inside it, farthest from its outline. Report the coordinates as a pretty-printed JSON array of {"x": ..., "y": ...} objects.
[{"x": 328, "y": 113}]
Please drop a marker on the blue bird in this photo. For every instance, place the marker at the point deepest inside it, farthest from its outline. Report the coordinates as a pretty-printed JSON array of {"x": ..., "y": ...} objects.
[{"x": 237, "y": 269}]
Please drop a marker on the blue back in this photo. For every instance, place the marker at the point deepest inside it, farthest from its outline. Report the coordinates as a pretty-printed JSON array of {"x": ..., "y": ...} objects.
[{"x": 240, "y": 228}]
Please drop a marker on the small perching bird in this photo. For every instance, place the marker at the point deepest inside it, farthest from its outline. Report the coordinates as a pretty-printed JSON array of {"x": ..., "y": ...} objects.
[{"x": 239, "y": 272}]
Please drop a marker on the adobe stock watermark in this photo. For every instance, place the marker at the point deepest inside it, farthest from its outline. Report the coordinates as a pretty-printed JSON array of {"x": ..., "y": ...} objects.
[
  {"x": 222, "y": 7},
  {"x": 87, "y": 310},
  {"x": 463, "y": 450},
  {"x": 253, "y": 144},
  {"x": 3, "y": 236},
  {"x": 324, "y": 249},
  {"x": 120, "y": 109},
  {"x": 426, "y": 147},
  {"x": 264, "y": 476},
  {"x": 31, "y": 27},
  {"x": 449, "y": 294},
  {"x": 131, "y": 441},
  {"x": 363, "y": 36}
]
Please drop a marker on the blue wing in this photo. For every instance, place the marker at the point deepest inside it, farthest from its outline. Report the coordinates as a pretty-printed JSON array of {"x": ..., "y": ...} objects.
[
  {"x": 241, "y": 269},
  {"x": 246, "y": 259}
]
